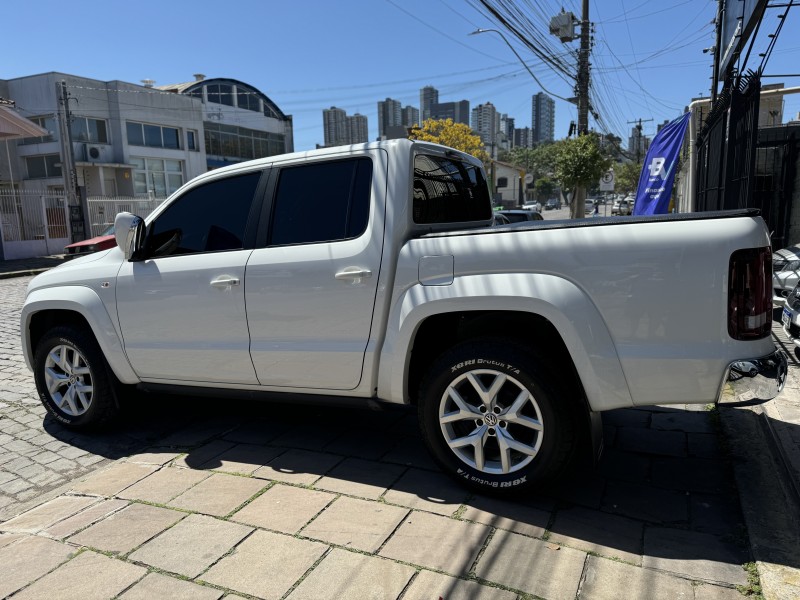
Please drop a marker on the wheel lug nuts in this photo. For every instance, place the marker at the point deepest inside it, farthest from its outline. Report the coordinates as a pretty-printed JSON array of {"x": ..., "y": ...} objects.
[
  {"x": 483, "y": 409},
  {"x": 491, "y": 431},
  {"x": 503, "y": 424},
  {"x": 497, "y": 410},
  {"x": 479, "y": 422}
]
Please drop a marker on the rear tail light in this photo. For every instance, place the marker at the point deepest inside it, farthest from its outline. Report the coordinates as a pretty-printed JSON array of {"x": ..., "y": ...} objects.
[{"x": 750, "y": 294}]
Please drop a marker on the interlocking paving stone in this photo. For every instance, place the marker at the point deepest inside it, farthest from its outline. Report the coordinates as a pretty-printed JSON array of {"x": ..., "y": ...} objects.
[
  {"x": 512, "y": 515},
  {"x": 344, "y": 574},
  {"x": 646, "y": 502},
  {"x": 364, "y": 478},
  {"x": 192, "y": 545},
  {"x": 164, "y": 485},
  {"x": 28, "y": 559},
  {"x": 219, "y": 494},
  {"x": 156, "y": 586},
  {"x": 692, "y": 474},
  {"x": 606, "y": 579},
  {"x": 196, "y": 458},
  {"x": 533, "y": 566},
  {"x": 370, "y": 445},
  {"x": 88, "y": 576},
  {"x": 411, "y": 452},
  {"x": 716, "y": 513},
  {"x": 690, "y": 422},
  {"x": 114, "y": 479},
  {"x": 125, "y": 530},
  {"x": 428, "y": 585},
  {"x": 436, "y": 542},
  {"x": 266, "y": 564},
  {"x": 356, "y": 523},
  {"x": 300, "y": 467},
  {"x": 698, "y": 555},
  {"x": 243, "y": 459},
  {"x": 283, "y": 508},
  {"x": 651, "y": 441},
  {"x": 84, "y": 518},
  {"x": 154, "y": 457},
  {"x": 427, "y": 490},
  {"x": 596, "y": 531},
  {"x": 8, "y": 538},
  {"x": 47, "y": 514}
]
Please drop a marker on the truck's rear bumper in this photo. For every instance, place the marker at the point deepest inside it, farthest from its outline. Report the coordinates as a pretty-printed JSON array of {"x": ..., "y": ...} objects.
[{"x": 757, "y": 378}]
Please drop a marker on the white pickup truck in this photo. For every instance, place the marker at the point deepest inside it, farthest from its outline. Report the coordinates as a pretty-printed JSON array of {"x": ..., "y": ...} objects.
[{"x": 371, "y": 273}]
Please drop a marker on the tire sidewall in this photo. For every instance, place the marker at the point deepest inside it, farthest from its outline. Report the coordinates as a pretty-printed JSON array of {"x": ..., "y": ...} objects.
[
  {"x": 95, "y": 365},
  {"x": 453, "y": 365}
]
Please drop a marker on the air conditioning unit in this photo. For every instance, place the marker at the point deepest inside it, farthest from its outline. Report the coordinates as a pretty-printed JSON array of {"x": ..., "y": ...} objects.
[{"x": 92, "y": 152}]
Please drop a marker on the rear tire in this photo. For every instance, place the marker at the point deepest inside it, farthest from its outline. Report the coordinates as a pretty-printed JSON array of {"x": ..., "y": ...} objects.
[
  {"x": 495, "y": 418},
  {"x": 73, "y": 379}
]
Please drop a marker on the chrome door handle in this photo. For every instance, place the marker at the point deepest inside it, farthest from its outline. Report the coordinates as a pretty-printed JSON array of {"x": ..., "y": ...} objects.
[
  {"x": 225, "y": 281},
  {"x": 354, "y": 274}
]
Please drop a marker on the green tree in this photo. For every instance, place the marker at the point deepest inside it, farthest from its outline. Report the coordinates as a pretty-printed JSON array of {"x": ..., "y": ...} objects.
[
  {"x": 454, "y": 135},
  {"x": 626, "y": 177},
  {"x": 544, "y": 187},
  {"x": 579, "y": 163}
]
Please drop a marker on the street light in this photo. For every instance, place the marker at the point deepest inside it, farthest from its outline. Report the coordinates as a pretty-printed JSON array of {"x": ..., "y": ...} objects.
[{"x": 536, "y": 79}]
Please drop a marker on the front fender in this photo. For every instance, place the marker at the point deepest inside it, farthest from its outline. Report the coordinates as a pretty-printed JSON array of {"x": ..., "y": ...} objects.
[
  {"x": 561, "y": 302},
  {"x": 87, "y": 303}
]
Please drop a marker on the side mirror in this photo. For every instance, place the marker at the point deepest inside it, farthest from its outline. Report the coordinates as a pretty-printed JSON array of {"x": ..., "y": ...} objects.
[{"x": 129, "y": 232}]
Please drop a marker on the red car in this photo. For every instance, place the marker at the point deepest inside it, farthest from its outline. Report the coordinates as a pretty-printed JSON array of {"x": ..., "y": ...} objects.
[{"x": 101, "y": 242}]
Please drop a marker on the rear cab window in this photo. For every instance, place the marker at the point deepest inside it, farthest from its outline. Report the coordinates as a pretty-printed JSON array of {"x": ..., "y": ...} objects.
[{"x": 448, "y": 190}]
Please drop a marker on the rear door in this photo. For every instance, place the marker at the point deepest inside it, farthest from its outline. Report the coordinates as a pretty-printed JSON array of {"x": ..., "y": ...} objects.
[{"x": 310, "y": 292}]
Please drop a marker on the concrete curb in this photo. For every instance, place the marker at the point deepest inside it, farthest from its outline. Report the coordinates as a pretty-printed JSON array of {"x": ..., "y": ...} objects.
[{"x": 23, "y": 273}]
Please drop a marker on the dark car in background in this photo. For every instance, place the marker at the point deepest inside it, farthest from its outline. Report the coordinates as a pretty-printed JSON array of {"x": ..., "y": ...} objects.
[
  {"x": 521, "y": 215},
  {"x": 552, "y": 204}
]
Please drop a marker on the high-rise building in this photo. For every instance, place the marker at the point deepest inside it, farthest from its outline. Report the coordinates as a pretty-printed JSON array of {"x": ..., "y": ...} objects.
[
  {"x": 486, "y": 123},
  {"x": 410, "y": 116},
  {"x": 427, "y": 96},
  {"x": 506, "y": 132},
  {"x": 522, "y": 138},
  {"x": 638, "y": 144},
  {"x": 357, "y": 126},
  {"x": 458, "y": 111},
  {"x": 341, "y": 129},
  {"x": 543, "y": 118},
  {"x": 390, "y": 114}
]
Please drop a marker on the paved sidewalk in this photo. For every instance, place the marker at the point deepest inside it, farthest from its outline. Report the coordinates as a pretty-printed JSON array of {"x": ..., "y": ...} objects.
[{"x": 29, "y": 266}]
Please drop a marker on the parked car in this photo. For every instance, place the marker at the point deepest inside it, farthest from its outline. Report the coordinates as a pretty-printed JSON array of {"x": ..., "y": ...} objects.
[
  {"x": 790, "y": 317},
  {"x": 621, "y": 207},
  {"x": 552, "y": 204},
  {"x": 785, "y": 273},
  {"x": 104, "y": 241},
  {"x": 521, "y": 215},
  {"x": 508, "y": 341},
  {"x": 589, "y": 206},
  {"x": 534, "y": 206},
  {"x": 500, "y": 219}
]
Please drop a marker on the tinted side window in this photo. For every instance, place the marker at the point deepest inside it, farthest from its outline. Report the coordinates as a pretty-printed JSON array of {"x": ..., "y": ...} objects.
[
  {"x": 209, "y": 218},
  {"x": 449, "y": 191},
  {"x": 322, "y": 202}
]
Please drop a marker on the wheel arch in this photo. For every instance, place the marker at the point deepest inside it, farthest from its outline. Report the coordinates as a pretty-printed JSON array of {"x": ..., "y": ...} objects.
[
  {"x": 76, "y": 306},
  {"x": 545, "y": 309}
]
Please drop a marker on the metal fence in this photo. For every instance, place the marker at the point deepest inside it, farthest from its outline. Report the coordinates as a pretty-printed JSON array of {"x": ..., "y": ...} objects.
[
  {"x": 36, "y": 223},
  {"x": 33, "y": 223},
  {"x": 103, "y": 209}
]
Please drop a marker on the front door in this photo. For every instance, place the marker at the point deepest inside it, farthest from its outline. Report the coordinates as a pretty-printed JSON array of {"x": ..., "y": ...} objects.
[{"x": 181, "y": 309}]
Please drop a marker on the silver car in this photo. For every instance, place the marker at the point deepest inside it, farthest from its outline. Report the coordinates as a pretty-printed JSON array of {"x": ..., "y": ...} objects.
[{"x": 785, "y": 273}]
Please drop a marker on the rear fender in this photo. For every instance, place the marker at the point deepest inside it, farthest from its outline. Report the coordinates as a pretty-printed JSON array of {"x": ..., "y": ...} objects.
[{"x": 561, "y": 302}]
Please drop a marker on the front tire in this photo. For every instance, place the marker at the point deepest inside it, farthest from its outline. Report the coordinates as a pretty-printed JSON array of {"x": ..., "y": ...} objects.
[
  {"x": 73, "y": 380},
  {"x": 492, "y": 419}
]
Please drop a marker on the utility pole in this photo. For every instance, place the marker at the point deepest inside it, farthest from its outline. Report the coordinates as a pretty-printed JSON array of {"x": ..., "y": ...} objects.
[
  {"x": 577, "y": 210},
  {"x": 77, "y": 210},
  {"x": 638, "y": 124}
]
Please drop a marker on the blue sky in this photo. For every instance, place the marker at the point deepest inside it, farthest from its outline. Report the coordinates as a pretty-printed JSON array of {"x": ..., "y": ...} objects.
[{"x": 307, "y": 55}]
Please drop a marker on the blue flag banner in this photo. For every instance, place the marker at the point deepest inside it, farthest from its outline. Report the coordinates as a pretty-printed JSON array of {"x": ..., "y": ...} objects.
[{"x": 658, "y": 171}]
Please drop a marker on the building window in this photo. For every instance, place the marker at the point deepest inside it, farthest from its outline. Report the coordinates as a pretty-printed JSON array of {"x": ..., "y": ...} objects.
[
  {"x": 41, "y": 167},
  {"x": 47, "y": 122},
  {"x": 241, "y": 143},
  {"x": 247, "y": 99},
  {"x": 502, "y": 182},
  {"x": 154, "y": 136},
  {"x": 221, "y": 93},
  {"x": 86, "y": 129},
  {"x": 191, "y": 140},
  {"x": 160, "y": 176}
]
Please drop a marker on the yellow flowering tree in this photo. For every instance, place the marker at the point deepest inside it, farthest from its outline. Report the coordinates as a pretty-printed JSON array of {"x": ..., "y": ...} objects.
[{"x": 448, "y": 133}]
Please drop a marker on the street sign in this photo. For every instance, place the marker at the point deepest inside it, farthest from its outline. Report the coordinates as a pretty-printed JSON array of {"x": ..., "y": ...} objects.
[
  {"x": 607, "y": 181},
  {"x": 528, "y": 178}
]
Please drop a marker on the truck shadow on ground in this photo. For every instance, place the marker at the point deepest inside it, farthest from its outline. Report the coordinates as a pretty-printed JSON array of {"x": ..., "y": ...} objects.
[{"x": 663, "y": 495}]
